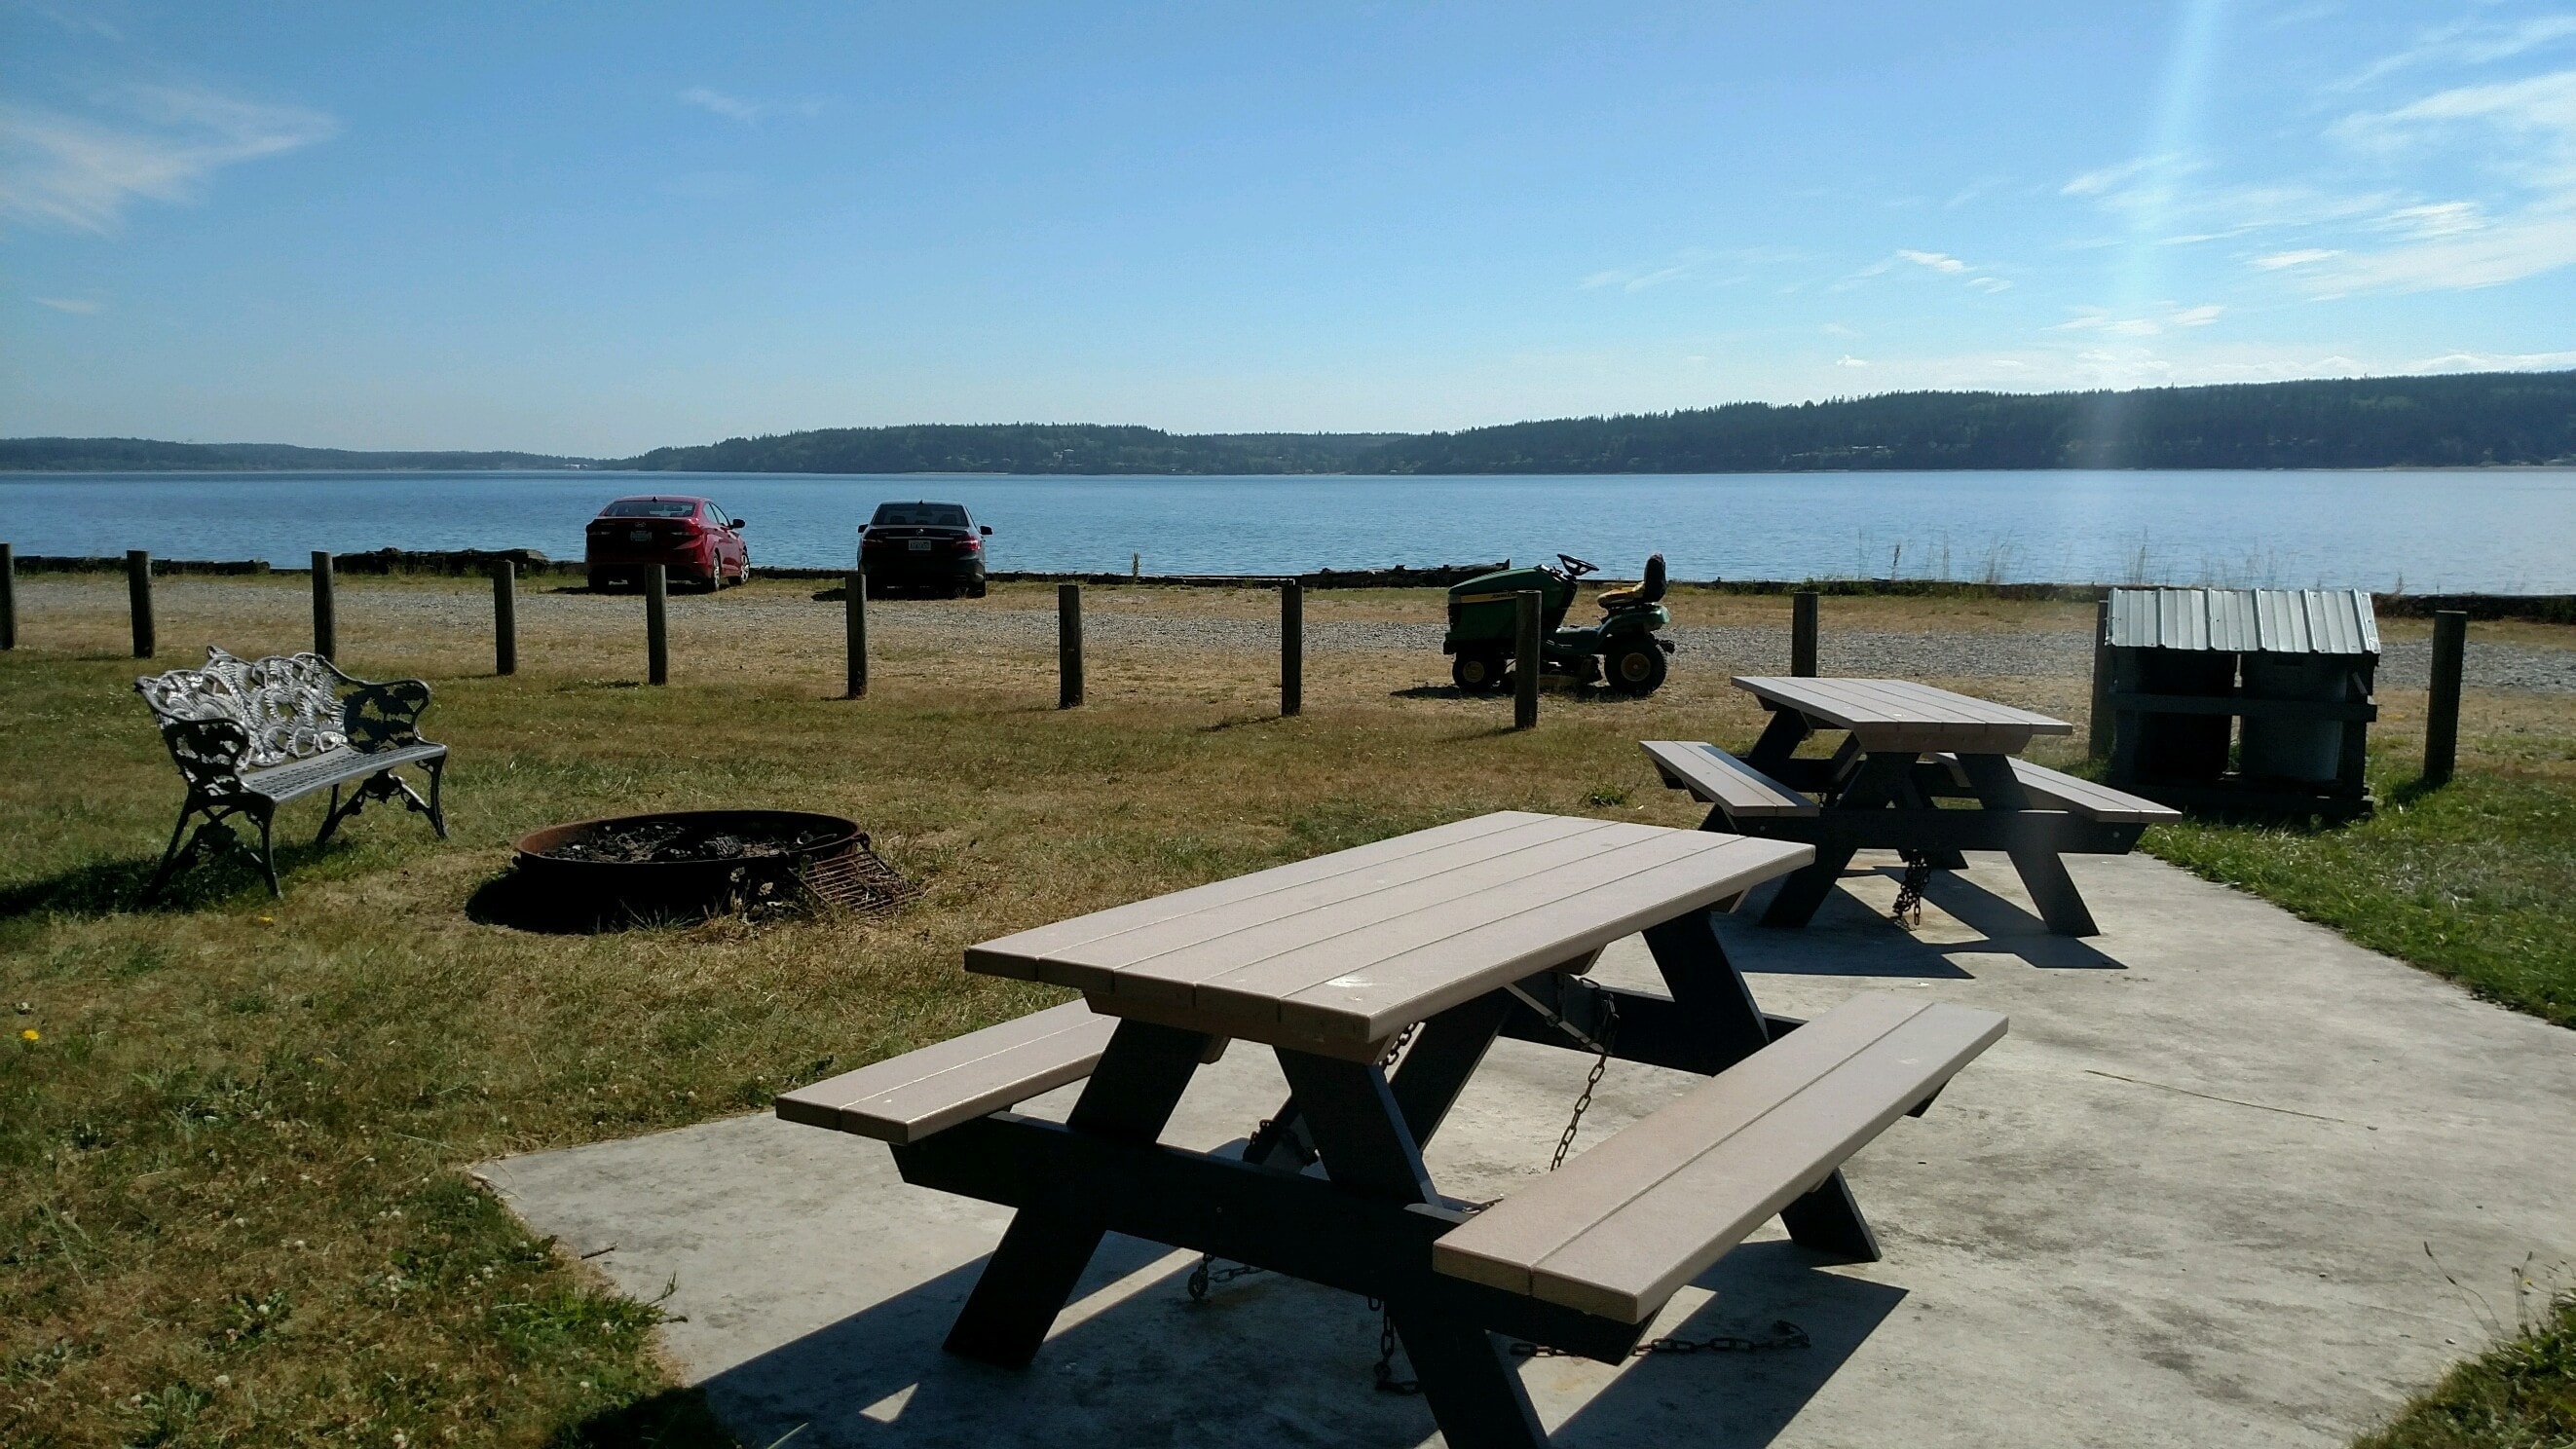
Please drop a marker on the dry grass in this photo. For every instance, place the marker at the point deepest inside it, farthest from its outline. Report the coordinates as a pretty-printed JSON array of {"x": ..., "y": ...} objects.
[{"x": 231, "y": 1199}]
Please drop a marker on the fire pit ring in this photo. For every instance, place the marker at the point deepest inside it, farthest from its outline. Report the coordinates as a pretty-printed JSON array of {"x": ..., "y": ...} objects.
[{"x": 697, "y": 862}]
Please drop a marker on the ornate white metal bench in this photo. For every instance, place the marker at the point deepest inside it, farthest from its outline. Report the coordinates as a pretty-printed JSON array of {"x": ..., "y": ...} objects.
[{"x": 249, "y": 735}]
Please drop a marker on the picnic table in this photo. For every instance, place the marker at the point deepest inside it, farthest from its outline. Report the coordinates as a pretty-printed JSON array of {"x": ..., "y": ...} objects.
[
  {"x": 1380, "y": 976},
  {"x": 1906, "y": 747}
]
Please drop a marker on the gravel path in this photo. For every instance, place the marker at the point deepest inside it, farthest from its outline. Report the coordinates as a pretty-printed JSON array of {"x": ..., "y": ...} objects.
[{"x": 1739, "y": 649}]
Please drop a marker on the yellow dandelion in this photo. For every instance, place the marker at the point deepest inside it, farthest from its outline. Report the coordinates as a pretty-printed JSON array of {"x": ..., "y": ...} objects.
[{"x": 30, "y": 1034}]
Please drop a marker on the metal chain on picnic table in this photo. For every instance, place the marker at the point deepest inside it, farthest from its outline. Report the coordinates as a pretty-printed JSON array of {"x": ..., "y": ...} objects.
[
  {"x": 1600, "y": 1063},
  {"x": 1909, "y": 891}
]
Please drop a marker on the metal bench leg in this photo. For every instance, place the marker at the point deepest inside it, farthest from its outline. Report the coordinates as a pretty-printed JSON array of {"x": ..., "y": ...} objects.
[
  {"x": 437, "y": 812},
  {"x": 268, "y": 852},
  {"x": 1031, "y": 1276},
  {"x": 170, "y": 857}
]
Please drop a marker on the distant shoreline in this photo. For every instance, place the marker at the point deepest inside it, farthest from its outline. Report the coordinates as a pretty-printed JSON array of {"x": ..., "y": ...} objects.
[{"x": 13, "y": 474}]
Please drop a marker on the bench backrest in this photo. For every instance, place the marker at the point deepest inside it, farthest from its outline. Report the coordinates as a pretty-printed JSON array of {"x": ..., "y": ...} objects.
[{"x": 289, "y": 704}]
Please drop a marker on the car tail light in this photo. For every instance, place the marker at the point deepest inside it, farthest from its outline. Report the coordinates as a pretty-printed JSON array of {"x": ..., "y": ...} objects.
[{"x": 969, "y": 544}]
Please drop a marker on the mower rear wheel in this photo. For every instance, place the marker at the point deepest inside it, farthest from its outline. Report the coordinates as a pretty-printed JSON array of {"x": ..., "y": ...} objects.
[
  {"x": 1636, "y": 669},
  {"x": 1478, "y": 673}
]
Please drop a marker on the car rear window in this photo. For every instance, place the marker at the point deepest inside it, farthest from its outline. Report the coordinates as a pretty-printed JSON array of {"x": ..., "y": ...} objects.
[
  {"x": 649, "y": 508},
  {"x": 919, "y": 515}
]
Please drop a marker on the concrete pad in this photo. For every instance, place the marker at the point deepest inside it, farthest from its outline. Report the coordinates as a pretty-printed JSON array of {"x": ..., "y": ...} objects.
[{"x": 2206, "y": 1193}]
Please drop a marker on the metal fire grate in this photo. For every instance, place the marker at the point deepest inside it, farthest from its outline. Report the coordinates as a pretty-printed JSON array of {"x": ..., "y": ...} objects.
[{"x": 858, "y": 879}]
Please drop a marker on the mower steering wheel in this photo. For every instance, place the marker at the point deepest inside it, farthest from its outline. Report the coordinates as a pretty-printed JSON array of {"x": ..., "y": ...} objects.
[{"x": 1576, "y": 568}]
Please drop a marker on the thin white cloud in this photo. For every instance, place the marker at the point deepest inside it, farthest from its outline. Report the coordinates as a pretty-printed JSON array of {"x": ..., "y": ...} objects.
[
  {"x": 2493, "y": 362},
  {"x": 2469, "y": 43},
  {"x": 1838, "y": 329},
  {"x": 2297, "y": 258},
  {"x": 2107, "y": 179},
  {"x": 2441, "y": 218},
  {"x": 2154, "y": 322},
  {"x": 77, "y": 306},
  {"x": 1847, "y": 360},
  {"x": 1939, "y": 263},
  {"x": 716, "y": 102},
  {"x": 80, "y": 174},
  {"x": 2523, "y": 131}
]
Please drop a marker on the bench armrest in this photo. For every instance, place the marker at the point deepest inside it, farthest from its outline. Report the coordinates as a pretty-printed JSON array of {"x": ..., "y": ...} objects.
[
  {"x": 381, "y": 714},
  {"x": 210, "y": 753}
]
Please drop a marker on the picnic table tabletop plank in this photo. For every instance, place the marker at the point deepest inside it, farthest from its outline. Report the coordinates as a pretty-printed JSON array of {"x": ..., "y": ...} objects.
[
  {"x": 1900, "y": 713},
  {"x": 1336, "y": 958}
]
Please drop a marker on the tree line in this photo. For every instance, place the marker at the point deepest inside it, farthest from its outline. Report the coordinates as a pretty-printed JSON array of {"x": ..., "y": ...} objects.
[{"x": 2455, "y": 421}]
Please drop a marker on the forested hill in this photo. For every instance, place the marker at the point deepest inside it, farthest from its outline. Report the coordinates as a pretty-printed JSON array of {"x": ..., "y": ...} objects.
[
  {"x": 2476, "y": 418},
  {"x": 143, "y": 455},
  {"x": 2497, "y": 417},
  {"x": 1019, "y": 448}
]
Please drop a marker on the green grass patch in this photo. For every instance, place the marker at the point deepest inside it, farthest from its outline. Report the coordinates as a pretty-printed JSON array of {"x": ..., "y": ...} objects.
[
  {"x": 2521, "y": 1394},
  {"x": 2475, "y": 881}
]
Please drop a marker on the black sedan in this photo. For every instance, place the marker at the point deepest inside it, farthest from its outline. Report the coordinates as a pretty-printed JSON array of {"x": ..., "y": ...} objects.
[{"x": 930, "y": 548}]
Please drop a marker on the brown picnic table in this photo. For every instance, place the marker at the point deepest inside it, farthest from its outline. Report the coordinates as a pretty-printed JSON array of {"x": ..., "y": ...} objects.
[
  {"x": 1380, "y": 976},
  {"x": 1905, "y": 748}
]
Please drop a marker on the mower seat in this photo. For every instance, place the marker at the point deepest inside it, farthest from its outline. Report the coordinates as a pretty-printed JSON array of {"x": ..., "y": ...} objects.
[{"x": 1646, "y": 591}]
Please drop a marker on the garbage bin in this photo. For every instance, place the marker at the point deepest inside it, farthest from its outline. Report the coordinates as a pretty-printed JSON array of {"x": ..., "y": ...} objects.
[
  {"x": 2184, "y": 748},
  {"x": 2289, "y": 748}
]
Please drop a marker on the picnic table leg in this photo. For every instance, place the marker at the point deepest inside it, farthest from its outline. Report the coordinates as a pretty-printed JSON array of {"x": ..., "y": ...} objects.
[
  {"x": 1445, "y": 1053},
  {"x": 1911, "y": 796},
  {"x": 1465, "y": 1372},
  {"x": 1029, "y": 1278},
  {"x": 1711, "y": 995},
  {"x": 1805, "y": 889},
  {"x": 2043, "y": 872},
  {"x": 1780, "y": 739}
]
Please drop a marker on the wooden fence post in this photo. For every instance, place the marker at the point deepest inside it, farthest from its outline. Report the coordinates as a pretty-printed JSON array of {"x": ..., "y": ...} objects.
[
  {"x": 657, "y": 625},
  {"x": 1292, "y": 646},
  {"x": 1525, "y": 663},
  {"x": 1802, "y": 634},
  {"x": 326, "y": 608},
  {"x": 2098, "y": 734},
  {"x": 2442, "y": 710},
  {"x": 8, "y": 596},
  {"x": 138, "y": 596},
  {"x": 1068, "y": 645},
  {"x": 505, "y": 617},
  {"x": 854, "y": 626}
]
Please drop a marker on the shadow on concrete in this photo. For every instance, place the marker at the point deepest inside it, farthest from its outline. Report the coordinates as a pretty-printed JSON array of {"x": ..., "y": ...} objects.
[
  {"x": 1846, "y": 938},
  {"x": 2008, "y": 929},
  {"x": 1271, "y": 1360}
]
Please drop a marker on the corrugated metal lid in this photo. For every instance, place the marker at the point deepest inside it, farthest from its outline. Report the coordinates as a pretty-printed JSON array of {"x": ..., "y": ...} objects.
[{"x": 2245, "y": 621}]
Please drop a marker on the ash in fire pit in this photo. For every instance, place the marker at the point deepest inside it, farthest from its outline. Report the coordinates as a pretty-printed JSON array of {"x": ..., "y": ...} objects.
[
  {"x": 695, "y": 863},
  {"x": 651, "y": 839}
]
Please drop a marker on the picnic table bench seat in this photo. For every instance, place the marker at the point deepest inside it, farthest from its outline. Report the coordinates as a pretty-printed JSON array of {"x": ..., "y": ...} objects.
[
  {"x": 1721, "y": 779},
  {"x": 2059, "y": 790},
  {"x": 907, "y": 1098},
  {"x": 249, "y": 735},
  {"x": 1626, "y": 1224}
]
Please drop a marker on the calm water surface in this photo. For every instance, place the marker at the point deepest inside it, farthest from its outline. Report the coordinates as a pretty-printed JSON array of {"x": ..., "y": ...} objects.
[{"x": 2508, "y": 531}]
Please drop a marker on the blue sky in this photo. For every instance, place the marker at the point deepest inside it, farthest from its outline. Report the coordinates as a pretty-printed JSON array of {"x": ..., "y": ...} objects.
[{"x": 600, "y": 229}]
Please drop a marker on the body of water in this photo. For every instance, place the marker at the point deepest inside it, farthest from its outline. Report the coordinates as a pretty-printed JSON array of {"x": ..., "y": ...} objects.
[{"x": 2502, "y": 531}]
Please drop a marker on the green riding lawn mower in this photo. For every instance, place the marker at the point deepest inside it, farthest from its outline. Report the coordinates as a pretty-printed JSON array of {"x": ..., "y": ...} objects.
[{"x": 1623, "y": 651}]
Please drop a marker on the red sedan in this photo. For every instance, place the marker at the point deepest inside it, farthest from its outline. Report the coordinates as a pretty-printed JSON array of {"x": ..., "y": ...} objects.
[{"x": 694, "y": 539}]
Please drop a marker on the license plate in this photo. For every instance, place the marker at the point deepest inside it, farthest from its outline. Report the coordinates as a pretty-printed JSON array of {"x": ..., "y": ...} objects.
[
  {"x": 919, "y": 545},
  {"x": 641, "y": 535}
]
